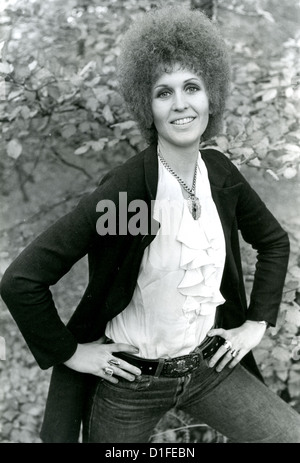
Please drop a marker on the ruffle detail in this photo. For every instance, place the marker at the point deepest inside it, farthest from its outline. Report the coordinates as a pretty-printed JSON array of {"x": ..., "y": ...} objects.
[{"x": 202, "y": 258}]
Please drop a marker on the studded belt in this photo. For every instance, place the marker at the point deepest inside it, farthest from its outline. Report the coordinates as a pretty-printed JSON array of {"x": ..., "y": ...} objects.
[{"x": 174, "y": 367}]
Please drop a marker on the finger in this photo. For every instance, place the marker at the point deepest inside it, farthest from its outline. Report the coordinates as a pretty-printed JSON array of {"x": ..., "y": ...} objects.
[
  {"x": 217, "y": 356},
  {"x": 124, "y": 374},
  {"x": 121, "y": 347},
  {"x": 225, "y": 361},
  {"x": 107, "y": 373},
  {"x": 236, "y": 360},
  {"x": 101, "y": 340},
  {"x": 110, "y": 379},
  {"x": 123, "y": 365},
  {"x": 111, "y": 372},
  {"x": 217, "y": 332}
]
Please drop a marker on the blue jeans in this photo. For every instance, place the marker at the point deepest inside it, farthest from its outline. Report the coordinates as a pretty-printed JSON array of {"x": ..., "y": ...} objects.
[{"x": 233, "y": 402}]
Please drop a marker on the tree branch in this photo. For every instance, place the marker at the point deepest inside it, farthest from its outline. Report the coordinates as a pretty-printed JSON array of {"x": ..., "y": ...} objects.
[
  {"x": 44, "y": 210},
  {"x": 69, "y": 164}
]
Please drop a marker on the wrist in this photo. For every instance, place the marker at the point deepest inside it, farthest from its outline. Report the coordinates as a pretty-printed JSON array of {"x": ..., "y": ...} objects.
[{"x": 260, "y": 322}]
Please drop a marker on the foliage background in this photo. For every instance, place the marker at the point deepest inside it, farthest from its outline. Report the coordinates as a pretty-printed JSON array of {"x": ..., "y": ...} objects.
[{"x": 63, "y": 126}]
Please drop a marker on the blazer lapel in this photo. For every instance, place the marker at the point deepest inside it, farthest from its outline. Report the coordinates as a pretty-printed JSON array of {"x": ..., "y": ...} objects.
[
  {"x": 225, "y": 197},
  {"x": 151, "y": 170}
]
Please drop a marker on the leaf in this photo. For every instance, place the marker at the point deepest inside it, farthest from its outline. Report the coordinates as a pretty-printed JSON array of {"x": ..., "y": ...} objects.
[
  {"x": 54, "y": 92},
  {"x": 289, "y": 92},
  {"x": 292, "y": 149},
  {"x": 282, "y": 374},
  {"x": 93, "y": 82},
  {"x": 30, "y": 96},
  {"x": 25, "y": 111},
  {"x": 273, "y": 175},
  {"x": 136, "y": 139},
  {"x": 265, "y": 14},
  {"x": 222, "y": 143},
  {"x": 14, "y": 94},
  {"x": 14, "y": 148},
  {"x": 261, "y": 355},
  {"x": 115, "y": 99},
  {"x": 262, "y": 147},
  {"x": 244, "y": 151},
  {"x": 281, "y": 354},
  {"x": 295, "y": 272},
  {"x": 292, "y": 284},
  {"x": 127, "y": 125},
  {"x": 270, "y": 94},
  {"x": 68, "y": 131},
  {"x": 294, "y": 384},
  {"x": 290, "y": 110},
  {"x": 84, "y": 127},
  {"x": 255, "y": 162},
  {"x": 15, "y": 112},
  {"x": 1, "y": 48},
  {"x": 290, "y": 172},
  {"x": 293, "y": 316},
  {"x": 92, "y": 104},
  {"x": 5, "y": 68},
  {"x": 294, "y": 135},
  {"x": 87, "y": 68},
  {"x": 101, "y": 93},
  {"x": 112, "y": 143},
  {"x": 81, "y": 150},
  {"x": 107, "y": 114},
  {"x": 97, "y": 145},
  {"x": 289, "y": 296},
  {"x": 2, "y": 349},
  {"x": 257, "y": 137},
  {"x": 32, "y": 65}
]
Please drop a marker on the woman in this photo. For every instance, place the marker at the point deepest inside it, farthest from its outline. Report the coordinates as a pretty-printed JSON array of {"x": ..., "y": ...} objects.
[{"x": 163, "y": 322}]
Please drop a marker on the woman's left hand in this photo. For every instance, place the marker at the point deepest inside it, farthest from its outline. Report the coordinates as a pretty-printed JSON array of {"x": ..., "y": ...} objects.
[{"x": 242, "y": 340}]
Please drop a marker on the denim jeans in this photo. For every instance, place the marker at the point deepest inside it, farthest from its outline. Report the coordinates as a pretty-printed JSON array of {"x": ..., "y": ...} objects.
[{"x": 233, "y": 402}]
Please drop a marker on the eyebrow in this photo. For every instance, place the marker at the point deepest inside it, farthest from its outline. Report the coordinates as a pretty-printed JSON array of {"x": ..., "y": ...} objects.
[{"x": 186, "y": 81}]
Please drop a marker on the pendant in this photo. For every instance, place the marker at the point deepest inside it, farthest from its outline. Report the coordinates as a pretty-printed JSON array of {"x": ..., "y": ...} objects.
[{"x": 194, "y": 207}]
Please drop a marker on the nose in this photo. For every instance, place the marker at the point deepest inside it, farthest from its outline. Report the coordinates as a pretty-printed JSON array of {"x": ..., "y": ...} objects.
[{"x": 179, "y": 102}]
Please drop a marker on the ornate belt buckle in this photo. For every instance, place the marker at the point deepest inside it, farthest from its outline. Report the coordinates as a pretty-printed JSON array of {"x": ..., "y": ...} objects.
[{"x": 182, "y": 366}]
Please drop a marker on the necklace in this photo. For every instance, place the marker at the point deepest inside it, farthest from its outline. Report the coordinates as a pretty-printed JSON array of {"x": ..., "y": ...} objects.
[{"x": 193, "y": 202}]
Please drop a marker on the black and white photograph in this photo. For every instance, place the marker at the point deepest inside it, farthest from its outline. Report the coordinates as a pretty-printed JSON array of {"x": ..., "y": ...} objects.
[{"x": 149, "y": 224}]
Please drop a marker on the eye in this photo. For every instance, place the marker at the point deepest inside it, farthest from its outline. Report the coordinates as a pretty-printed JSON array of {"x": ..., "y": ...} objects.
[
  {"x": 164, "y": 94},
  {"x": 192, "y": 88}
]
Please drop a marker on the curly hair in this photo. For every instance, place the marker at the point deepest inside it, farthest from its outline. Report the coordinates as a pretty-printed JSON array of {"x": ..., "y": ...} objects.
[{"x": 157, "y": 41}]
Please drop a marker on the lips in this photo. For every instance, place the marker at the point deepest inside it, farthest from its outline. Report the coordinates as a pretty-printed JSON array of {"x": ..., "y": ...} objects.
[{"x": 183, "y": 121}]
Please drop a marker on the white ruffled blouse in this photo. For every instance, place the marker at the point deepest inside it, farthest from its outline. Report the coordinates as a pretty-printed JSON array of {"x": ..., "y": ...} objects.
[{"x": 178, "y": 287}]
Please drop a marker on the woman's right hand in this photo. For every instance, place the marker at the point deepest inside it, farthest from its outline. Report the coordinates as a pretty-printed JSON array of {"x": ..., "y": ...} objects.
[{"x": 95, "y": 357}]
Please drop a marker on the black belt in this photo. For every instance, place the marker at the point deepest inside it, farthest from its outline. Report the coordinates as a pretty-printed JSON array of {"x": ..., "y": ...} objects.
[{"x": 174, "y": 367}]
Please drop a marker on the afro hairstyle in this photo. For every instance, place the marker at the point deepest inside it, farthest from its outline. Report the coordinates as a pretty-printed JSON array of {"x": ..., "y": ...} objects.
[{"x": 156, "y": 42}]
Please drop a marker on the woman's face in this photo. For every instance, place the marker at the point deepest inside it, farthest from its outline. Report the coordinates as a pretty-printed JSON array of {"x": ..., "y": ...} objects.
[{"x": 180, "y": 107}]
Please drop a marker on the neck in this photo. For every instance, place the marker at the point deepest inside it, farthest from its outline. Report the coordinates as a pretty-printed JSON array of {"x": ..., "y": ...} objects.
[{"x": 181, "y": 159}]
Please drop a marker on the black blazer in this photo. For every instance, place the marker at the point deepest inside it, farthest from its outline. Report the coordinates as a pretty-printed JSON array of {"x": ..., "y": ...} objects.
[{"x": 114, "y": 262}]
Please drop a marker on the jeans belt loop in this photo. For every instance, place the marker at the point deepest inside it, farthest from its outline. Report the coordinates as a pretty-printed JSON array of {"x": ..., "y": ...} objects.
[{"x": 159, "y": 367}]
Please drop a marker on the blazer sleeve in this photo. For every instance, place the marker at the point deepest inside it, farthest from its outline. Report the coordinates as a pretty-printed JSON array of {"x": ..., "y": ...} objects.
[
  {"x": 260, "y": 228},
  {"x": 25, "y": 284}
]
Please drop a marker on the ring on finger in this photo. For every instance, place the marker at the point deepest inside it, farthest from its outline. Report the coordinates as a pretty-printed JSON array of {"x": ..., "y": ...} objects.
[
  {"x": 234, "y": 353},
  {"x": 114, "y": 362},
  {"x": 228, "y": 345},
  {"x": 108, "y": 371}
]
